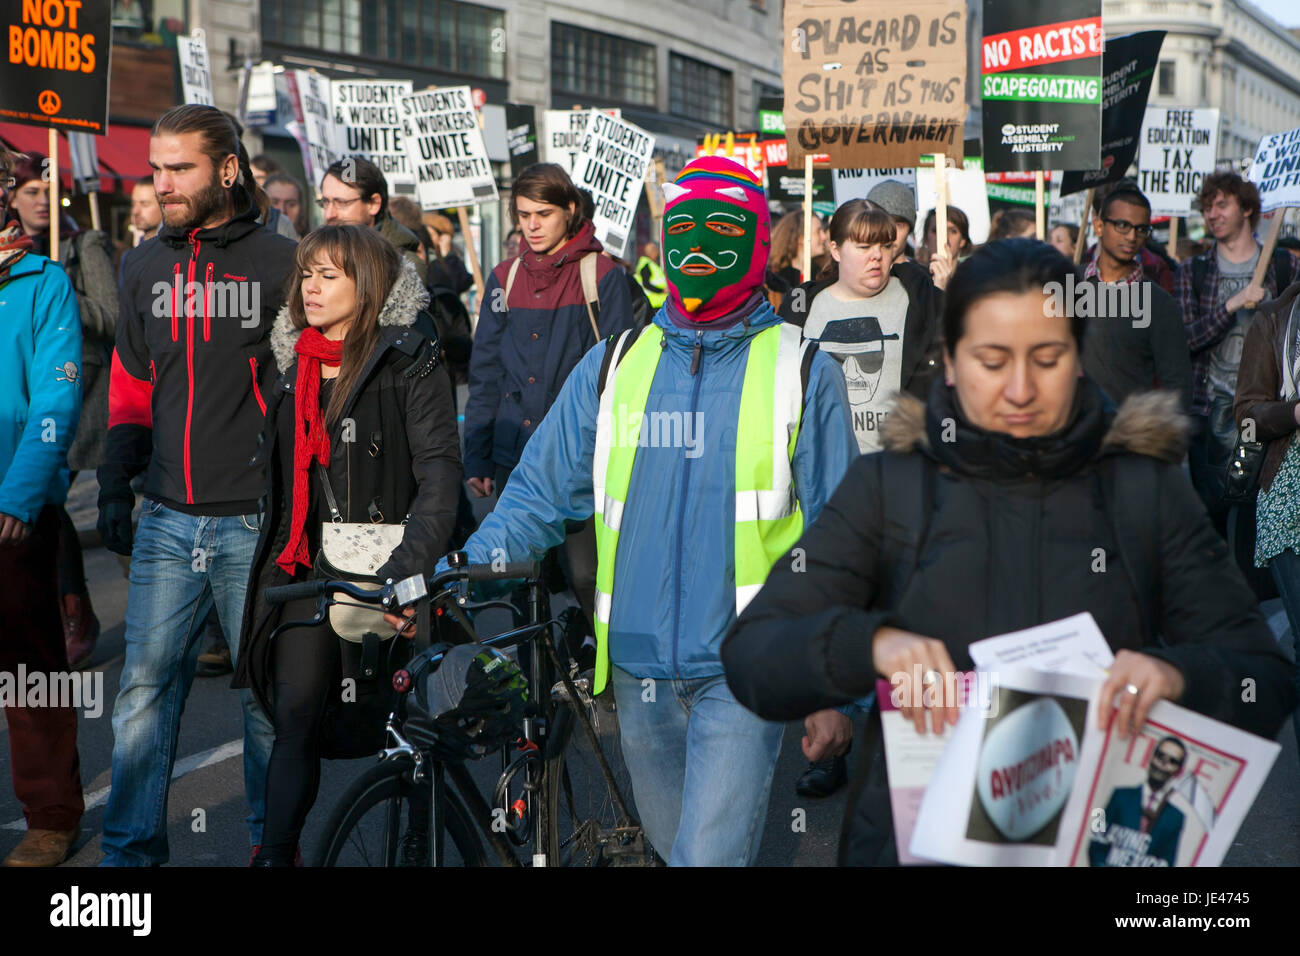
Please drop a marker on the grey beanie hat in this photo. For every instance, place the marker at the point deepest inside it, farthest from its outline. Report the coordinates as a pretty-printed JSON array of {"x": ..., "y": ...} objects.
[{"x": 896, "y": 199}]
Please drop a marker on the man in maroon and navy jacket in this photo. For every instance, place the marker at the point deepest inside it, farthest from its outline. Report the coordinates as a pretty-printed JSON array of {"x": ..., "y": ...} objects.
[{"x": 532, "y": 330}]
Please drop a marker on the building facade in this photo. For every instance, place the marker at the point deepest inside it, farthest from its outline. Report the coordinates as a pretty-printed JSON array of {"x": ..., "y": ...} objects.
[{"x": 1220, "y": 53}]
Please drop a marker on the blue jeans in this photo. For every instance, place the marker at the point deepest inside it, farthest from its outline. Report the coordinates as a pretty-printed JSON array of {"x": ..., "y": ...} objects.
[
  {"x": 701, "y": 767},
  {"x": 181, "y": 566},
  {"x": 1286, "y": 572}
]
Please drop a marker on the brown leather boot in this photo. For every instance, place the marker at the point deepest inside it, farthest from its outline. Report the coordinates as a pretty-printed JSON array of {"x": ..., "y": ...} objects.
[
  {"x": 43, "y": 848},
  {"x": 80, "y": 629}
]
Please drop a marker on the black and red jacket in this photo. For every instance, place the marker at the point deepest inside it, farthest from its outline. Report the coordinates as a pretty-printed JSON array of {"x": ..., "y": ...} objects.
[{"x": 193, "y": 365}]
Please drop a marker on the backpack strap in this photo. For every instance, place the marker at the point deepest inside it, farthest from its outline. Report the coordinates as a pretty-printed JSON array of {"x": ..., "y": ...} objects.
[
  {"x": 1200, "y": 266},
  {"x": 510, "y": 279},
  {"x": 590, "y": 290},
  {"x": 615, "y": 348},
  {"x": 805, "y": 372}
]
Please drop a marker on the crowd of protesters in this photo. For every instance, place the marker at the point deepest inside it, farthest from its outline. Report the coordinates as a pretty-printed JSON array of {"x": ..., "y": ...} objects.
[{"x": 224, "y": 444}]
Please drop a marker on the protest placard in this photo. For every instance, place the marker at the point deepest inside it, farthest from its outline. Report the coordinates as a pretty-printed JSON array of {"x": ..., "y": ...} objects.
[
  {"x": 856, "y": 183},
  {"x": 1177, "y": 152},
  {"x": 1276, "y": 170},
  {"x": 196, "y": 73},
  {"x": 564, "y": 130},
  {"x": 1128, "y": 65},
  {"x": 368, "y": 124},
  {"x": 1041, "y": 84},
  {"x": 743, "y": 148},
  {"x": 611, "y": 164},
  {"x": 56, "y": 70},
  {"x": 259, "y": 94},
  {"x": 966, "y": 190},
  {"x": 786, "y": 185},
  {"x": 521, "y": 137},
  {"x": 443, "y": 140},
  {"x": 873, "y": 88},
  {"x": 318, "y": 123}
]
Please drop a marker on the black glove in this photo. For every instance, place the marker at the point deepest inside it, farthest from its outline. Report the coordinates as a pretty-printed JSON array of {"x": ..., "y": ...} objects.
[{"x": 114, "y": 525}]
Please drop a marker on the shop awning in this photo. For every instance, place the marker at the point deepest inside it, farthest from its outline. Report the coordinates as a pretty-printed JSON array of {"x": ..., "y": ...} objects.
[{"x": 123, "y": 153}]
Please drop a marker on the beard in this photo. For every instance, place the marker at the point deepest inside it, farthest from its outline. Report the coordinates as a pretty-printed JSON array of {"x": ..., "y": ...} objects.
[{"x": 199, "y": 208}]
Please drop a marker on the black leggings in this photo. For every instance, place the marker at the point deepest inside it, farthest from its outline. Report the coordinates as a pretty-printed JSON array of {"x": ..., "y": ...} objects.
[{"x": 306, "y": 662}]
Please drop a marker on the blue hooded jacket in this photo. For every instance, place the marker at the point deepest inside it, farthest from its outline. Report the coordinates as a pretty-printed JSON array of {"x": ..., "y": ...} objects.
[
  {"x": 40, "y": 385},
  {"x": 674, "y": 581}
]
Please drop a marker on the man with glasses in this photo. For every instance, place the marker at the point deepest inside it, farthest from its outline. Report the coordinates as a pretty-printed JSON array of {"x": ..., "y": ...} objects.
[
  {"x": 353, "y": 192},
  {"x": 1135, "y": 338}
]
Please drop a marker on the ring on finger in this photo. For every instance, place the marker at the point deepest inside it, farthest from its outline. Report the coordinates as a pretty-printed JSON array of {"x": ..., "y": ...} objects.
[
  {"x": 1132, "y": 689},
  {"x": 930, "y": 677}
]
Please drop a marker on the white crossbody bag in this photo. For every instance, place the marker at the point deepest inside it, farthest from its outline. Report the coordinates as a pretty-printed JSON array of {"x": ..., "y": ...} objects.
[{"x": 355, "y": 551}]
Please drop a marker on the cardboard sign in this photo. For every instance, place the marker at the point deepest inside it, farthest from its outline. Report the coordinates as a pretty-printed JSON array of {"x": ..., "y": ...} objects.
[
  {"x": 55, "y": 68},
  {"x": 1129, "y": 63},
  {"x": 318, "y": 123},
  {"x": 856, "y": 183},
  {"x": 196, "y": 73},
  {"x": 521, "y": 137},
  {"x": 368, "y": 124},
  {"x": 611, "y": 164},
  {"x": 1177, "y": 152},
  {"x": 1276, "y": 170},
  {"x": 872, "y": 87},
  {"x": 443, "y": 140},
  {"x": 564, "y": 131},
  {"x": 1041, "y": 84}
]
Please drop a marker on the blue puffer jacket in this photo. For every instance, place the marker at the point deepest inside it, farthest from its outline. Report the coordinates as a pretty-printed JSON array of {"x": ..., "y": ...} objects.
[
  {"x": 40, "y": 385},
  {"x": 674, "y": 583}
]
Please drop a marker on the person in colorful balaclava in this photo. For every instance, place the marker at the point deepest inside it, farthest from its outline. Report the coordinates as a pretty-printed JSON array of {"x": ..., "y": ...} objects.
[{"x": 703, "y": 446}]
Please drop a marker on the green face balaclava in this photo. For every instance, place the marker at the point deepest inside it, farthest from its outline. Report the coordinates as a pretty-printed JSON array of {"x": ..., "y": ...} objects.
[{"x": 716, "y": 237}]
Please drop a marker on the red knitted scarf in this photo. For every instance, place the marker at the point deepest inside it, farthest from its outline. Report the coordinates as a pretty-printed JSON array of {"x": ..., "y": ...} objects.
[{"x": 311, "y": 440}]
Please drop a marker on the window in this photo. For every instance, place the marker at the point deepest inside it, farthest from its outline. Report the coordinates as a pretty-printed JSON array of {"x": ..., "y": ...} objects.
[
  {"x": 699, "y": 91},
  {"x": 445, "y": 35},
  {"x": 1165, "y": 81},
  {"x": 589, "y": 64},
  {"x": 147, "y": 22}
]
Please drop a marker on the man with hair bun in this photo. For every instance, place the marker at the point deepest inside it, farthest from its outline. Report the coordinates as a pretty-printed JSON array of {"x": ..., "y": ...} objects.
[{"x": 187, "y": 393}]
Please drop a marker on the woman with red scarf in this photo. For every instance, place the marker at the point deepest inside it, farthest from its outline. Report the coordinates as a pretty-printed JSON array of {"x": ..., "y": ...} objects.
[{"x": 362, "y": 414}]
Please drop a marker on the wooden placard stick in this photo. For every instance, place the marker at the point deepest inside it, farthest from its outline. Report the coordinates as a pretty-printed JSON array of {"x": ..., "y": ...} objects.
[
  {"x": 1082, "y": 241},
  {"x": 940, "y": 205},
  {"x": 54, "y": 194},
  {"x": 806, "y": 267},
  {"x": 1039, "y": 212}
]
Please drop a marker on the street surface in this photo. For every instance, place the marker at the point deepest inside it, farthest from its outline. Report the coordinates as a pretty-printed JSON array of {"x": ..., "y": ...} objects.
[{"x": 209, "y": 776}]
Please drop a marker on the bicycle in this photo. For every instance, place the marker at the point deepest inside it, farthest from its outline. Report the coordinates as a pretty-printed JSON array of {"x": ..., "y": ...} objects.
[{"x": 413, "y": 809}]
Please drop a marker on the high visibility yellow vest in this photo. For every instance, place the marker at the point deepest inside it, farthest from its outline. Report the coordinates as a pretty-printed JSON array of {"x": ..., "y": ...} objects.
[
  {"x": 657, "y": 278},
  {"x": 768, "y": 520}
]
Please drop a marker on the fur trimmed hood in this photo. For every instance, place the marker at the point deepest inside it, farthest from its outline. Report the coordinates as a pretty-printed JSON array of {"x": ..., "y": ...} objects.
[
  {"x": 407, "y": 299},
  {"x": 1148, "y": 423}
]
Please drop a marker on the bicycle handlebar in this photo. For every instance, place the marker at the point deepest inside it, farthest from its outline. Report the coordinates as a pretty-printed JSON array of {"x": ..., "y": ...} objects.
[{"x": 385, "y": 595}]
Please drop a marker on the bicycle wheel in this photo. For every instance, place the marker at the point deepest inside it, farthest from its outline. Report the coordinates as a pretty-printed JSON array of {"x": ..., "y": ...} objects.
[
  {"x": 372, "y": 824},
  {"x": 586, "y": 829}
]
